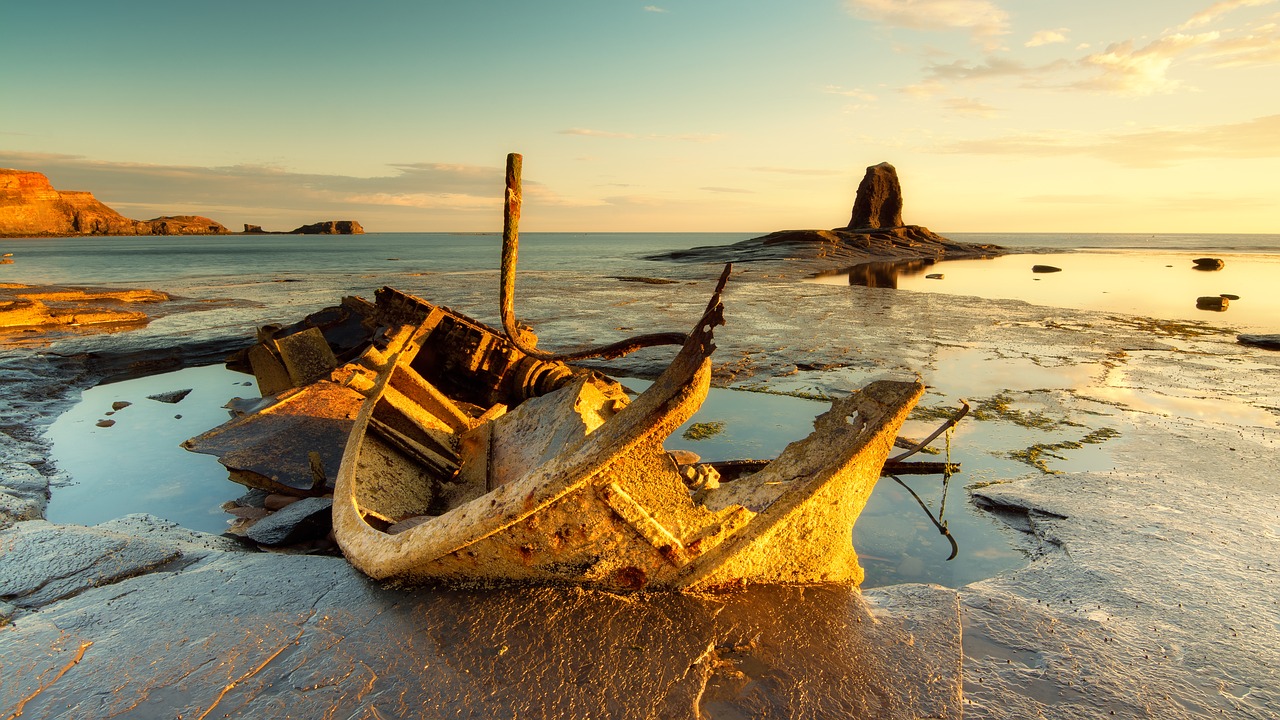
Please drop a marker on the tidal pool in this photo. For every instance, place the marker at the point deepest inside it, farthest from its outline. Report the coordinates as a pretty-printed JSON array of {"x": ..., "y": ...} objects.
[
  {"x": 1154, "y": 284},
  {"x": 896, "y": 540},
  {"x": 128, "y": 460}
]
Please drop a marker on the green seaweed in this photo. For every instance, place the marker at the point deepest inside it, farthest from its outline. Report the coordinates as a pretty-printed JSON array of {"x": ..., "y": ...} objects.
[
  {"x": 1035, "y": 455},
  {"x": 703, "y": 430}
]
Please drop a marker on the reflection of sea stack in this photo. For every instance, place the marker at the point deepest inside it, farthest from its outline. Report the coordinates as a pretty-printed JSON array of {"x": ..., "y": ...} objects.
[{"x": 879, "y": 200}]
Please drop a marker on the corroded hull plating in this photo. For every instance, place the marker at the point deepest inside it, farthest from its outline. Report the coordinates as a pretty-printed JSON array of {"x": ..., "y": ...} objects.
[{"x": 574, "y": 486}]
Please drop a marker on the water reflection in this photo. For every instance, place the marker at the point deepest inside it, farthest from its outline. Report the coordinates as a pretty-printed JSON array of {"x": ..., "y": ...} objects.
[
  {"x": 121, "y": 451},
  {"x": 878, "y": 274},
  {"x": 135, "y": 465},
  {"x": 896, "y": 541},
  {"x": 1152, "y": 284}
]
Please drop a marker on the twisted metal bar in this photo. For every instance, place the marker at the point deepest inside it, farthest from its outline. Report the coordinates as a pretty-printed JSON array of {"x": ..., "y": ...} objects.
[{"x": 510, "y": 250}]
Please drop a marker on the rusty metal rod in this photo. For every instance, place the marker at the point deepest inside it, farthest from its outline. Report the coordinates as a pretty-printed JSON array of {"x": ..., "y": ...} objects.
[
  {"x": 507, "y": 294},
  {"x": 964, "y": 410}
]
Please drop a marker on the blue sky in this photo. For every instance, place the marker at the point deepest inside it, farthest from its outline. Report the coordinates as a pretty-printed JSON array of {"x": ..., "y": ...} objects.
[{"x": 1000, "y": 115}]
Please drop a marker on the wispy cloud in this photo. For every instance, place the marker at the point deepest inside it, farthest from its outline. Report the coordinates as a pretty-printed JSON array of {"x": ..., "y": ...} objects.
[
  {"x": 1256, "y": 44},
  {"x": 654, "y": 9},
  {"x": 736, "y": 191},
  {"x": 969, "y": 106},
  {"x": 1151, "y": 148},
  {"x": 796, "y": 171},
  {"x": 1218, "y": 9},
  {"x": 1123, "y": 69},
  {"x": 610, "y": 134},
  {"x": 983, "y": 19},
  {"x": 1047, "y": 37},
  {"x": 261, "y": 194}
]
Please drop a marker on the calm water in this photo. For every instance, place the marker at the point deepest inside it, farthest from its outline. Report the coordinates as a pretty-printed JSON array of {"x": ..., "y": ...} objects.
[
  {"x": 1154, "y": 283},
  {"x": 152, "y": 260},
  {"x": 121, "y": 260},
  {"x": 135, "y": 465}
]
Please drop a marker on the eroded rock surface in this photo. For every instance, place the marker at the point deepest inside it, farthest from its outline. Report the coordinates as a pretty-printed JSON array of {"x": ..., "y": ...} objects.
[
  {"x": 258, "y": 635},
  {"x": 1183, "y": 512},
  {"x": 879, "y": 200},
  {"x": 31, "y": 207}
]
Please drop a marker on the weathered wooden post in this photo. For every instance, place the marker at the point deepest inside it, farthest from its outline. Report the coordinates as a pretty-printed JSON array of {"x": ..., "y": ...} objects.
[
  {"x": 510, "y": 248},
  {"x": 507, "y": 294}
]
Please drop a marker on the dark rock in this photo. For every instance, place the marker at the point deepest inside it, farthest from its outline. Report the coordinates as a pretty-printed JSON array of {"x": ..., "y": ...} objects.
[
  {"x": 120, "y": 404},
  {"x": 106, "y": 423},
  {"x": 1045, "y": 269},
  {"x": 1230, "y": 297},
  {"x": 879, "y": 200},
  {"x": 330, "y": 227},
  {"x": 255, "y": 497},
  {"x": 254, "y": 229},
  {"x": 307, "y": 519},
  {"x": 44, "y": 562},
  {"x": 1217, "y": 303},
  {"x": 933, "y": 276},
  {"x": 1208, "y": 263},
  {"x": 1267, "y": 342},
  {"x": 172, "y": 397},
  {"x": 185, "y": 225}
]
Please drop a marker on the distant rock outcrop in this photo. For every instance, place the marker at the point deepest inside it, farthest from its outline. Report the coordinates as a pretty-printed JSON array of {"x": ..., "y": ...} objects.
[
  {"x": 185, "y": 225},
  {"x": 330, "y": 227},
  {"x": 878, "y": 203},
  {"x": 30, "y": 206},
  {"x": 875, "y": 232}
]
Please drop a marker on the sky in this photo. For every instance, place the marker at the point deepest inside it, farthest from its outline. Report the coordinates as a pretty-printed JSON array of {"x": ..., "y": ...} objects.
[{"x": 684, "y": 115}]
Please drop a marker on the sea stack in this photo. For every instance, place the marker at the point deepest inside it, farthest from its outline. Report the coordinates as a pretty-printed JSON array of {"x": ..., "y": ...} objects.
[{"x": 879, "y": 200}]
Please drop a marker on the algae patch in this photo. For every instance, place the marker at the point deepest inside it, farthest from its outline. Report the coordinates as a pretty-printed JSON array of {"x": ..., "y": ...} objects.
[
  {"x": 1036, "y": 455},
  {"x": 703, "y": 430}
]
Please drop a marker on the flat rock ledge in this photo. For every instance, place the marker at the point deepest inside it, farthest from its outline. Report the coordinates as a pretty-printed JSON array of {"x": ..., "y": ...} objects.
[
  {"x": 139, "y": 618},
  {"x": 30, "y": 307},
  {"x": 790, "y": 254}
]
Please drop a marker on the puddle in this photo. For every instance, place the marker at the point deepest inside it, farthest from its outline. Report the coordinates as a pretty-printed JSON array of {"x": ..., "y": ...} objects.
[
  {"x": 136, "y": 464},
  {"x": 971, "y": 373},
  {"x": 1153, "y": 284},
  {"x": 895, "y": 539},
  {"x": 1197, "y": 408}
]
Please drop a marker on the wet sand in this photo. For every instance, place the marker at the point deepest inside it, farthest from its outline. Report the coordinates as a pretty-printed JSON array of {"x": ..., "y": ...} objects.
[{"x": 1150, "y": 587}]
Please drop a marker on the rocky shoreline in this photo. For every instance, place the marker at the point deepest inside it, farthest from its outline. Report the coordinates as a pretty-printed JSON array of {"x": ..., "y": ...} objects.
[
  {"x": 1145, "y": 592},
  {"x": 31, "y": 207}
]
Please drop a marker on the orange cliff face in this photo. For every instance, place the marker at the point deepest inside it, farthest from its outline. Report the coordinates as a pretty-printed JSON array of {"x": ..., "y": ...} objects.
[{"x": 30, "y": 206}]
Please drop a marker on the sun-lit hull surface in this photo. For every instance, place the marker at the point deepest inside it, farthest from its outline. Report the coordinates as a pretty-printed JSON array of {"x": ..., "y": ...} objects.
[{"x": 471, "y": 463}]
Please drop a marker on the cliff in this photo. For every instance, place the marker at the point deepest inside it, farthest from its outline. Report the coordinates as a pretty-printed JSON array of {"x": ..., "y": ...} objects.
[{"x": 31, "y": 207}]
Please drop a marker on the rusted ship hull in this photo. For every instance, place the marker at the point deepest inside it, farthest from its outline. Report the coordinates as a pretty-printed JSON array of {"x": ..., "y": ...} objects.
[{"x": 568, "y": 482}]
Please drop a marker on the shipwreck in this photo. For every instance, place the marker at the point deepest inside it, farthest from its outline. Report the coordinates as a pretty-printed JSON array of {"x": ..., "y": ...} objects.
[{"x": 460, "y": 453}]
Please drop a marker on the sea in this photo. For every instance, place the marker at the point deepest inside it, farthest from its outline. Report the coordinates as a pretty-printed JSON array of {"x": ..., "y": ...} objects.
[{"x": 134, "y": 464}]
